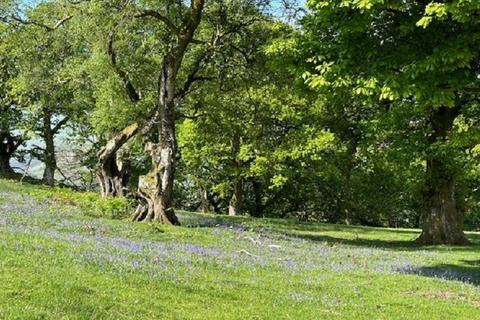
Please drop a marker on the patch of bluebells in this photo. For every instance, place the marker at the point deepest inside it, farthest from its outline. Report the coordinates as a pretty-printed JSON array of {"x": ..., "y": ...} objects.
[{"x": 238, "y": 246}]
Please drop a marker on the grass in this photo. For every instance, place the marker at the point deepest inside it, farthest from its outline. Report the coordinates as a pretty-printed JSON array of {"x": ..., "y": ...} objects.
[{"x": 60, "y": 259}]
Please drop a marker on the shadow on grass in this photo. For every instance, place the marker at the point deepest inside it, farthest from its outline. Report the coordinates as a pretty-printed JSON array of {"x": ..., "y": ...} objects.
[
  {"x": 372, "y": 237},
  {"x": 371, "y": 243},
  {"x": 468, "y": 272},
  {"x": 408, "y": 244}
]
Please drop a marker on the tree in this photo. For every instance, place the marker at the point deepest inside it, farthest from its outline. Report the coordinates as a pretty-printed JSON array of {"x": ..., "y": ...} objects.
[
  {"x": 409, "y": 53},
  {"x": 251, "y": 130},
  {"x": 10, "y": 111},
  {"x": 183, "y": 61},
  {"x": 121, "y": 67},
  {"x": 42, "y": 48}
]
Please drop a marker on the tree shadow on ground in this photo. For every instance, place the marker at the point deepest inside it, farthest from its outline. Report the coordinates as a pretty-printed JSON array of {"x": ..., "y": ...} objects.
[
  {"x": 359, "y": 236},
  {"x": 408, "y": 244},
  {"x": 468, "y": 272},
  {"x": 361, "y": 242}
]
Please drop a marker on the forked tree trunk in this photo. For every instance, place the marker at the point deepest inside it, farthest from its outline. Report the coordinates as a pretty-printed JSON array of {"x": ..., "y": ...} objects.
[
  {"x": 442, "y": 219},
  {"x": 113, "y": 174},
  {"x": 49, "y": 157}
]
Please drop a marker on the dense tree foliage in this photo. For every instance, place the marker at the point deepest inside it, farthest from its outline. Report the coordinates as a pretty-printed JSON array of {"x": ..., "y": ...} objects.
[{"x": 356, "y": 112}]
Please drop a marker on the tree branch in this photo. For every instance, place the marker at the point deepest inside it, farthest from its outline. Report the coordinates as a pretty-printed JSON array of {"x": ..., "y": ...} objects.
[
  {"x": 132, "y": 92},
  {"x": 157, "y": 15},
  {"x": 192, "y": 76},
  {"x": 60, "y": 124},
  {"x": 36, "y": 23}
]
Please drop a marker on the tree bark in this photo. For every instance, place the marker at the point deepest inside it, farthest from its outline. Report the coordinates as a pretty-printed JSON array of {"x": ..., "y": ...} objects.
[
  {"x": 5, "y": 167},
  {"x": 113, "y": 174},
  {"x": 442, "y": 218},
  {"x": 155, "y": 189}
]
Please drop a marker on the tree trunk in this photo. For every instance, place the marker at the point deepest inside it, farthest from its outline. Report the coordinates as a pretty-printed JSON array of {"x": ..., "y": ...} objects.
[
  {"x": 49, "y": 158},
  {"x": 442, "y": 219},
  {"x": 155, "y": 189},
  {"x": 236, "y": 202},
  {"x": 204, "y": 201},
  {"x": 257, "y": 193},
  {"x": 8, "y": 146},
  {"x": 113, "y": 177},
  {"x": 347, "y": 178},
  {"x": 5, "y": 167},
  {"x": 113, "y": 174}
]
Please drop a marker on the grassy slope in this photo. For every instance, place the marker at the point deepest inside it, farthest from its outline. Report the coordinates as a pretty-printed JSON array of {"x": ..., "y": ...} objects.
[{"x": 57, "y": 263}]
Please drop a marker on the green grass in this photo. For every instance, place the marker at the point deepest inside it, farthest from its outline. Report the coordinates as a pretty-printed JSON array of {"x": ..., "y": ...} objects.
[{"x": 62, "y": 257}]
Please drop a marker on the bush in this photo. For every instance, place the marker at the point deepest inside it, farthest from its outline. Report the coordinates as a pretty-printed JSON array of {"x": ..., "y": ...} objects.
[{"x": 90, "y": 203}]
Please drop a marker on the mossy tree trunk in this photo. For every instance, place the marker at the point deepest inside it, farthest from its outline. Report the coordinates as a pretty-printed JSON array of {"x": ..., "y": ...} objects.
[{"x": 112, "y": 173}]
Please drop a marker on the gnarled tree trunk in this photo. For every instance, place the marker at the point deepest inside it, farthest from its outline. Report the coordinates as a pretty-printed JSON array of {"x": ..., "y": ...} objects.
[
  {"x": 442, "y": 219},
  {"x": 155, "y": 189},
  {"x": 112, "y": 173}
]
